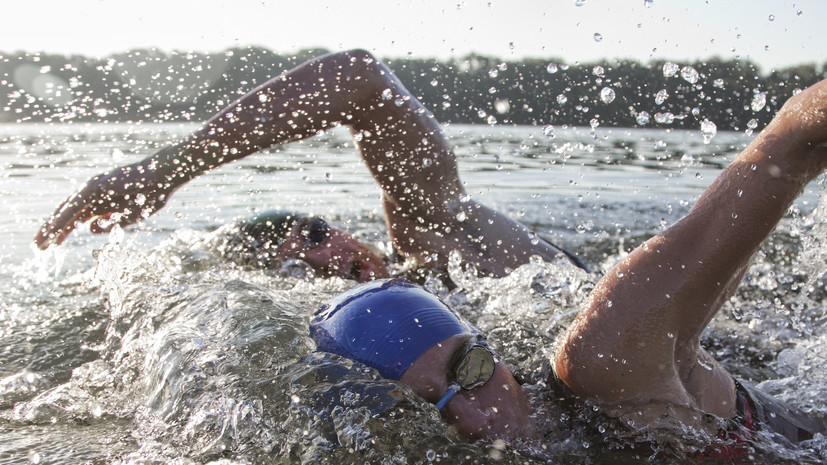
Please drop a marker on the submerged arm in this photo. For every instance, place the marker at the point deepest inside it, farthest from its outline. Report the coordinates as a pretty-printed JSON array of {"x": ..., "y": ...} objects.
[{"x": 637, "y": 338}]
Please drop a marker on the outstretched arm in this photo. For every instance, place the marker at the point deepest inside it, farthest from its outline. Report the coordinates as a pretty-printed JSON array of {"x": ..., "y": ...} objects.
[
  {"x": 350, "y": 88},
  {"x": 637, "y": 339},
  {"x": 427, "y": 210}
]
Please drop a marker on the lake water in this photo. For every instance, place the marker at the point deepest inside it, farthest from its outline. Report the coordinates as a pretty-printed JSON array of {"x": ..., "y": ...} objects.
[{"x": 144, "y": 346}]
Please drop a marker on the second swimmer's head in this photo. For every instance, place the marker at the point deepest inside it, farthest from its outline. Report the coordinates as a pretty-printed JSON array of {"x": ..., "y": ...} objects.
[{"x": 267, "y": 239}]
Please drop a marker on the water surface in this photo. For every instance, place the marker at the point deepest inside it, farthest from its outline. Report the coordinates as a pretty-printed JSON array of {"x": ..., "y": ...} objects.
[{"x": 146, "y": 346}]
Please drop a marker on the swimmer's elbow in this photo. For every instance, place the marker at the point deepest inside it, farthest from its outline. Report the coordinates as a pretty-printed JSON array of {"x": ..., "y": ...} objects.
[
  {"x": 361, "y": 55},
  {"x": 569, "y": 365}
]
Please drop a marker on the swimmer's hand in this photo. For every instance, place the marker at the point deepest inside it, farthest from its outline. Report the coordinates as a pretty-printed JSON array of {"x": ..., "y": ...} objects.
[{"x": 122, "y": 196}]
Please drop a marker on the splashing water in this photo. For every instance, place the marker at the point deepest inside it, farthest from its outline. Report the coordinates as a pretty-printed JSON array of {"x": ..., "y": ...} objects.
[
  {"x": 690, "y": 74},
  {"x": 708, "y": 130},
  {"x": 759, "y": 101},
  {"x": 607, "y": 95},
  {"x": 155, "y": 349},
  {"x": 670, "y": 69}
]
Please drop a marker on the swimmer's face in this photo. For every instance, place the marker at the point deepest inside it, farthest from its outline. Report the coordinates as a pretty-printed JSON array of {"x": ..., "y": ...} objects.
[
  {"x": 330, "y": 251},
  {"x": 499, "y": 409}
]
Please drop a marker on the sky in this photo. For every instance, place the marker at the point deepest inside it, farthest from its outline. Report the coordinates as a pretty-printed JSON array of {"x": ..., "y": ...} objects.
[{"x": 772, "y": 33}]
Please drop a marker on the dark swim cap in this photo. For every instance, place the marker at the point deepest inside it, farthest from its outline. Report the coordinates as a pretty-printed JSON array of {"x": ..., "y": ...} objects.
[
  {"x": 385, "y": 324},
  {"x": 256, "y": 240},
  {"x": 269, "y": 226}
]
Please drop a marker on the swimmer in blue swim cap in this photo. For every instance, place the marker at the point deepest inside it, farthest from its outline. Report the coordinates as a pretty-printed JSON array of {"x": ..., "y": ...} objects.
[
  {"x": 269, "y": 238},
  {"x": 410, "y": 335}
]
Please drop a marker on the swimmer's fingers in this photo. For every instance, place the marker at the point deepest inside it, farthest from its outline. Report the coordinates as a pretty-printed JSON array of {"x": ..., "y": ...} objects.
[
  {"x": 62, "y": 222},
  {"x": 122, "y": 196}
]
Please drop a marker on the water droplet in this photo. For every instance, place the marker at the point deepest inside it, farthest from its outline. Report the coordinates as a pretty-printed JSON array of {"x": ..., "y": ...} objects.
[
  {"x": 609, "y": 304},
  {"x": 719, "y": 83},
  {"x": 598, "y": 71},
  {"x": 598, "y": 37},
  {"x": 643, "y": 118},
  {"x": 664, "y": 118},
  {"x": 551, "y": 68},
  {"x": 33, "y": 456},
  {"x": 502, "y": 106},
  {"x": 95, "y": 409},
  {"x": 661, "y": 96},
  {"x": 328, "y": 177},
  {"x": 579, "y": 2},
  {"x": 670, "y": 69},
  {"x": 491, "y": 120},
  {"x": 561, "y": 99},
  {"x": 263, "y": 98},
  {"x": 594, "y": 123},
  {"x": 493, "y": 72},
  {"x": 648, "y": 3},
  {"x": 548, "y": 131},
  {"x": 461, "y": 216},
  {"x": 670, "y": 335},
  {"x": 708, "y": 129},
  {"x": 771, "y": 18},
  {"x": 607, "y": 94},
  {"x": 481, "y": 113},
  {"x": 740, "y": 192},
  {"x": 759, "y": 101},
  {"x": 140, "y": 199},
  {"x": 430, "y": 455},
  {"x": 387, "y": 94},
  {"x": 689, "y": 74}
]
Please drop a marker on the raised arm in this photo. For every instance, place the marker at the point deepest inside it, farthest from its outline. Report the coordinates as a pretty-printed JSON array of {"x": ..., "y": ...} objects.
[
  {"x": 427, "y": 210},
  {"x": 350, "y": 88},
  {"x": 637, "y": 339}
]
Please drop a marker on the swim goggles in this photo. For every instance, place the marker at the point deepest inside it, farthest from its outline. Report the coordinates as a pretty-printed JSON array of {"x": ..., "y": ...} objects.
[
  {"x": 472, "y": 366},
  {"x": 314, "y": 231}
]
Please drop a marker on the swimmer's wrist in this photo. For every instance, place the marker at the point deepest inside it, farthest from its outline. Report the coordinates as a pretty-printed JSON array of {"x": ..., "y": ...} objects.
[{"x": 169, "y": 167}]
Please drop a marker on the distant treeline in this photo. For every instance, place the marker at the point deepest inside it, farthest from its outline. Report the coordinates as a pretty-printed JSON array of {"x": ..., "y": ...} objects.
[{"x": 150, "y": 85}]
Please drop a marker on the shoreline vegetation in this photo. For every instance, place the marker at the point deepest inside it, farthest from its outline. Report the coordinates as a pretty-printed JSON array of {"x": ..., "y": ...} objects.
[{"x": 148, "y": 85}]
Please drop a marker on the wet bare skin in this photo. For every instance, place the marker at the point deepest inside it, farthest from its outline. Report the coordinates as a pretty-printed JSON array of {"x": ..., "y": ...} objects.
[
  {"x": 497, "y": 410},
  {"x": 636, "y": 341},
  {"x": 340, "y": 255}
]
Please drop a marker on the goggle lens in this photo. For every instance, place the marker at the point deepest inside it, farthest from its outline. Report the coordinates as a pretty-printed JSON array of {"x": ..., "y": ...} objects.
[
  {"x": 315, "y": 231},
  {"x": 475, "y": 368}
]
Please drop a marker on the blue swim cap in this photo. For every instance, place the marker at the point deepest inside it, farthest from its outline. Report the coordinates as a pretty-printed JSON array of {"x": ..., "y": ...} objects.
[{"x": 385, "y": 324}]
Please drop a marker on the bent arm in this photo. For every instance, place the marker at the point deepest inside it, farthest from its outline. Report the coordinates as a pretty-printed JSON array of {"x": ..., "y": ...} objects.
[
  {"x": 350, "y": 88},
  {"x": 638, "y": 335}
]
